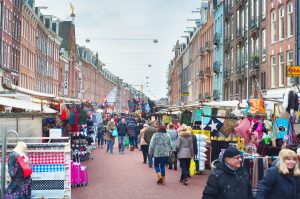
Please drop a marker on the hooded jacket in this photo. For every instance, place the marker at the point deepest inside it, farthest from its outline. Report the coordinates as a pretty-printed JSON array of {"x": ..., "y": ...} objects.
[
  {"x": 278, "y": 186},
  {"x": 184, "y": 145},
  {"x": 131, "y": 129},
  {"x": 160, "y": 145},
  {"x": 226, "y": 183}
]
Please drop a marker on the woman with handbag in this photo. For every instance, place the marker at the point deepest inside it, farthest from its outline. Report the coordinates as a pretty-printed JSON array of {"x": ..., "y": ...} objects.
[
  {"x": 109, "y": 137},
  {"x": 160, "y": 148},
  {"x": 20, "y": 171},
  {"x": 173, "y": 135},
  {"x": 185, "y": 151}
]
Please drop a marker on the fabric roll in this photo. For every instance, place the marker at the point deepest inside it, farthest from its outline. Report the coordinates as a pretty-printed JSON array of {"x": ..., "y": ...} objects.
[
  {"x": 48, "y": 175},
  {"x": 255, "y": 173},
  {"x": 48, "y": 185},
  {"x": 48, "y": 168}
]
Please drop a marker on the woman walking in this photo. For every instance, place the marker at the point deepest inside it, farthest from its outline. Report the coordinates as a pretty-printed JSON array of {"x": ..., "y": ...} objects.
[
  {"x": 108, "y": 136},
  {"x": 173, "y": 135},
  {"x": 185, "y": 152},
  {"x": 283, "y": 180},
  {"x": 160, "y": 148},
  {"x": 144, "y": 145}
]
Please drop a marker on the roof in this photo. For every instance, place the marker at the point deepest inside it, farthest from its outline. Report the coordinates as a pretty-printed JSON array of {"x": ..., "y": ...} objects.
[{"x": 64, "y": 32}]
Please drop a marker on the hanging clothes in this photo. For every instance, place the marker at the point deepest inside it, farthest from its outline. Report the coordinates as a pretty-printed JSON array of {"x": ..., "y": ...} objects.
[
  {"x": 186, "y": 117},
  {"x": 206, "y": 111},
  {"x": 196, "y": 116},
  {"x": 82, "y": 117}
]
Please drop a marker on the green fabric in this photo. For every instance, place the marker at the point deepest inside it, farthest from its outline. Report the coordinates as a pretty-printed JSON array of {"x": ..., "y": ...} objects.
[{"x": 82, "y": 117}]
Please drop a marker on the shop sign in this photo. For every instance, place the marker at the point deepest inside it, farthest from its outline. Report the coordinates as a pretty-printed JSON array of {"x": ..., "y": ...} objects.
[
  {"x": 293, "y": 71},
  {"x": 184, "y": 94}
]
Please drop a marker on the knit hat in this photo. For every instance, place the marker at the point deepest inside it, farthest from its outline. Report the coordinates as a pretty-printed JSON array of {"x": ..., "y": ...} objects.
[{"x": 231, "y": 152}]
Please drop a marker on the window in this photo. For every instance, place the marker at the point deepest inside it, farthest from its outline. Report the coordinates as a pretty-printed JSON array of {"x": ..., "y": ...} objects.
[
  {"x": 246, "y": 51},
  {"x": 273, "y": 71},
  {"x": 8, "y": 56},
  {"x": 232, "y": 27},
  {"x": 263, "y": 9},
  {"x": 273, "y": 26},
  {"x": 231, "y": 60},
  {"x": 281, "y": 23},
  {"x": 290, "y": 19},
  {"x": 246, "y": 15},
  {"x": 263, "y": 81},
  {"x": 263, "y": 43},
  {"x": 290, "y": 62},
  {"x": 281, "y": 69}
]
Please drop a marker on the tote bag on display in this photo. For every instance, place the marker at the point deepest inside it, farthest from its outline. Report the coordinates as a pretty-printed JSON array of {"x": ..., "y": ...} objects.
[{"x": 27, "y": 170}]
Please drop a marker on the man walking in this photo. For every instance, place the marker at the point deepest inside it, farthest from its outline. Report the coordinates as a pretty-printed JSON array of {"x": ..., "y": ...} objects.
[
  {"x": 149, "y": 132},
  {"x": 122, "y": 132}
]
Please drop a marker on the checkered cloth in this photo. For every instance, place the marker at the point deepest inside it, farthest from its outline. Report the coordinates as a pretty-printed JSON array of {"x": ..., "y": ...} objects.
[
  {"x": 48, "y": 167},
  {"x": 46, "y": 158}
]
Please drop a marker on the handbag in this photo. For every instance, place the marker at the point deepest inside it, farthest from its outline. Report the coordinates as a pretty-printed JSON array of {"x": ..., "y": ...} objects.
[
  {"x": 127, "y": 141},
  {"x": 228, "y": 127},
  {"x": 115, "y": 133},
  {"x": 171, "y": 159},
  {"x": 192, "y": 169},
  {"x": 26, "y": 168}
]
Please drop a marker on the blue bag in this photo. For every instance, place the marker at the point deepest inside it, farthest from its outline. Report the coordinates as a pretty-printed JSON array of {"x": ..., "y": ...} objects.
[{"x": 115, "y": 133}]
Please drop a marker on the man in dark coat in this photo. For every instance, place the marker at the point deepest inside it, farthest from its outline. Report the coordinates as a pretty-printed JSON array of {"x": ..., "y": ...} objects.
[
  {"x": 230, "y": 180},
  {"x": 122, "y": 133},
  {"x": 131, "y": 133},
  {"x": 149, "y": 132}
]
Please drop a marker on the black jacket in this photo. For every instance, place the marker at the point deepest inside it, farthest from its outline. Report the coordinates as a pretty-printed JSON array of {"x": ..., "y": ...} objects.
[
  {"x": 101, "y": 130},
  {"x": 122, "y": 129},
  {"x": 195, "y": 144},
  {"x": 226, "y": 183},
  {"x": 278, "y": 186}
]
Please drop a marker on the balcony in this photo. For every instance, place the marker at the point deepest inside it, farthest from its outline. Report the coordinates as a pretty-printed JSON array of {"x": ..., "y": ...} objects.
[
  {"x": 207, "y": 96},
  {"x": 200, "y": 97},
  {"x": 202, "y": 51},
  {"x": 226, "y": 74},
  {"x": 254, "y": 23},
  {"x": 208, "y": 46},
  {"x": 217, "y": 67},
  {"x": 240, "y": 33},
  {"x": 201, "y": 74},
  {"x": 207, "y": 71},
  {"x": 216, "y": 94},
  {"x": 239, "y": 70},
  {"x": 227, "y": 41},
  {"x": 254, "y": 63},
  {"x": 217, "y": 38}
]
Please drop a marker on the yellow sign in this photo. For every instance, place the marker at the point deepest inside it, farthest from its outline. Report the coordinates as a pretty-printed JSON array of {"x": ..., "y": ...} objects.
[
  {"x": 293, "y": 71},
  {"x": 204, "y": 132},
  {"x": 184, "y": 94}
]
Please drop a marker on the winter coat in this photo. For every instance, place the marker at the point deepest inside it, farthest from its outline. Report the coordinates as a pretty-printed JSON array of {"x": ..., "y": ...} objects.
[
  {"x": 160, "y": 145},
  {"x": 226, "y": 183},
  {"x": 101, "y": 130},
  {"x": 173, "y": 135},
  {"x": 195, "y": 144},
  {"x": 141, "y": 137},
  {"x": 149, "y": 132},
  {"x": 184, "y": 145},
  {"x": 109, "y": 128},
  {"x": 132, "y": 129},
  {"x": 122, "y": 129},
  {"x": 278, "y": 186}
]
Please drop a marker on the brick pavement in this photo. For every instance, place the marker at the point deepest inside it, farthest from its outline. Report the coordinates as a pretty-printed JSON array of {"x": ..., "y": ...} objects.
[{"x": 126, "y": 177}]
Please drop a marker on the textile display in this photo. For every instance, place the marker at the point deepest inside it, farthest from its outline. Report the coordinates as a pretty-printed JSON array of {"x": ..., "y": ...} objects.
[
  {"x": 48, "y": 175},
  {"x": 167, "y": 119},
  {"x": 48, "y": 167},
  {"x": 282, "y": 127},
  {"x": 46, "y": 158},
  {"x": 242, "y": 130},
  {"x": 213, "y": 126},
  {"x": 228, "y": 127},
  {"x": 222, "y": 113},
  {"x": 201, "y": 156},
  {"x": 48, "y": 185},
  {"x": 196, "y": 115},
  {"x": 186, "y": 117},
  {"x": 26, "y": 168}
]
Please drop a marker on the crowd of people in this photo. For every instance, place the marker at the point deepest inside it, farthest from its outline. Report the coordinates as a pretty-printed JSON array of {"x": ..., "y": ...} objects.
[{"x": 229, "y": 179}]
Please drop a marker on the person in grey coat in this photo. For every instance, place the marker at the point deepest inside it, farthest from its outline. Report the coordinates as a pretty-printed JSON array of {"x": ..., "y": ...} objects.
[
  {"x": 173, "y": 135},
  {"x": 149, "y": 132},
  {"x": 185, "y": 151}
]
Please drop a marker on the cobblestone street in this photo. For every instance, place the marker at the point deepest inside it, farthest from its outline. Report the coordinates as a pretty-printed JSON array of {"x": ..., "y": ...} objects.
[{"x": 125, "y": 176}]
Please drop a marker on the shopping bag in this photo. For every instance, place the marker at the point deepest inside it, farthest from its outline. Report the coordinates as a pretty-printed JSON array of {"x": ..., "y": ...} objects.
[
  {"x": 192, "y": 168},
  {"x": 115, "y": 133},
  {"x": 127, "y": 141},
  {"x": 27, "y": 170},
  {"x": 171, "y": 158}
]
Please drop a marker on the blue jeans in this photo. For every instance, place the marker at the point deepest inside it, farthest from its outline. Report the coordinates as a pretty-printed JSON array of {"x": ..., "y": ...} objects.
[
  {"x": 100, "y": 139},
  {"x": 131, "y": 141},
  {"x": 150, "y": 160},
  {"x": 160, "y": 165},
  {"x": 110, "y": 146},
  {"x": 136, "y": 140},
  {"x": 121, "y": 140}
]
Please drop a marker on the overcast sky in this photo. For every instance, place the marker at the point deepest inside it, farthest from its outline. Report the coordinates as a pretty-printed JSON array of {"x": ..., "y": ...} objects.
[{"x": 110, "y": 23}]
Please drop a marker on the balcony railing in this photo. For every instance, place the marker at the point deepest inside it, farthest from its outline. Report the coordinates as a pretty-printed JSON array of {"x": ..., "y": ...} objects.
[
  {"x": 217, "y": 67},
  {"x": 217, "y": 38},
  {"x": 254, "y": 23},
  {"x": 201, "y": 74},
  {"x": 254, "y": 63}
]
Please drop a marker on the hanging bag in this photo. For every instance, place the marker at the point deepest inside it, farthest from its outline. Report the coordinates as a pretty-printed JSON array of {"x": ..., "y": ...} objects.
[
  {"x": 192, "y": 169},
  {"x": 26, "y": 168},
  {"x": 115, "y": 133},
  {"x": 171, "y": 159}
]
